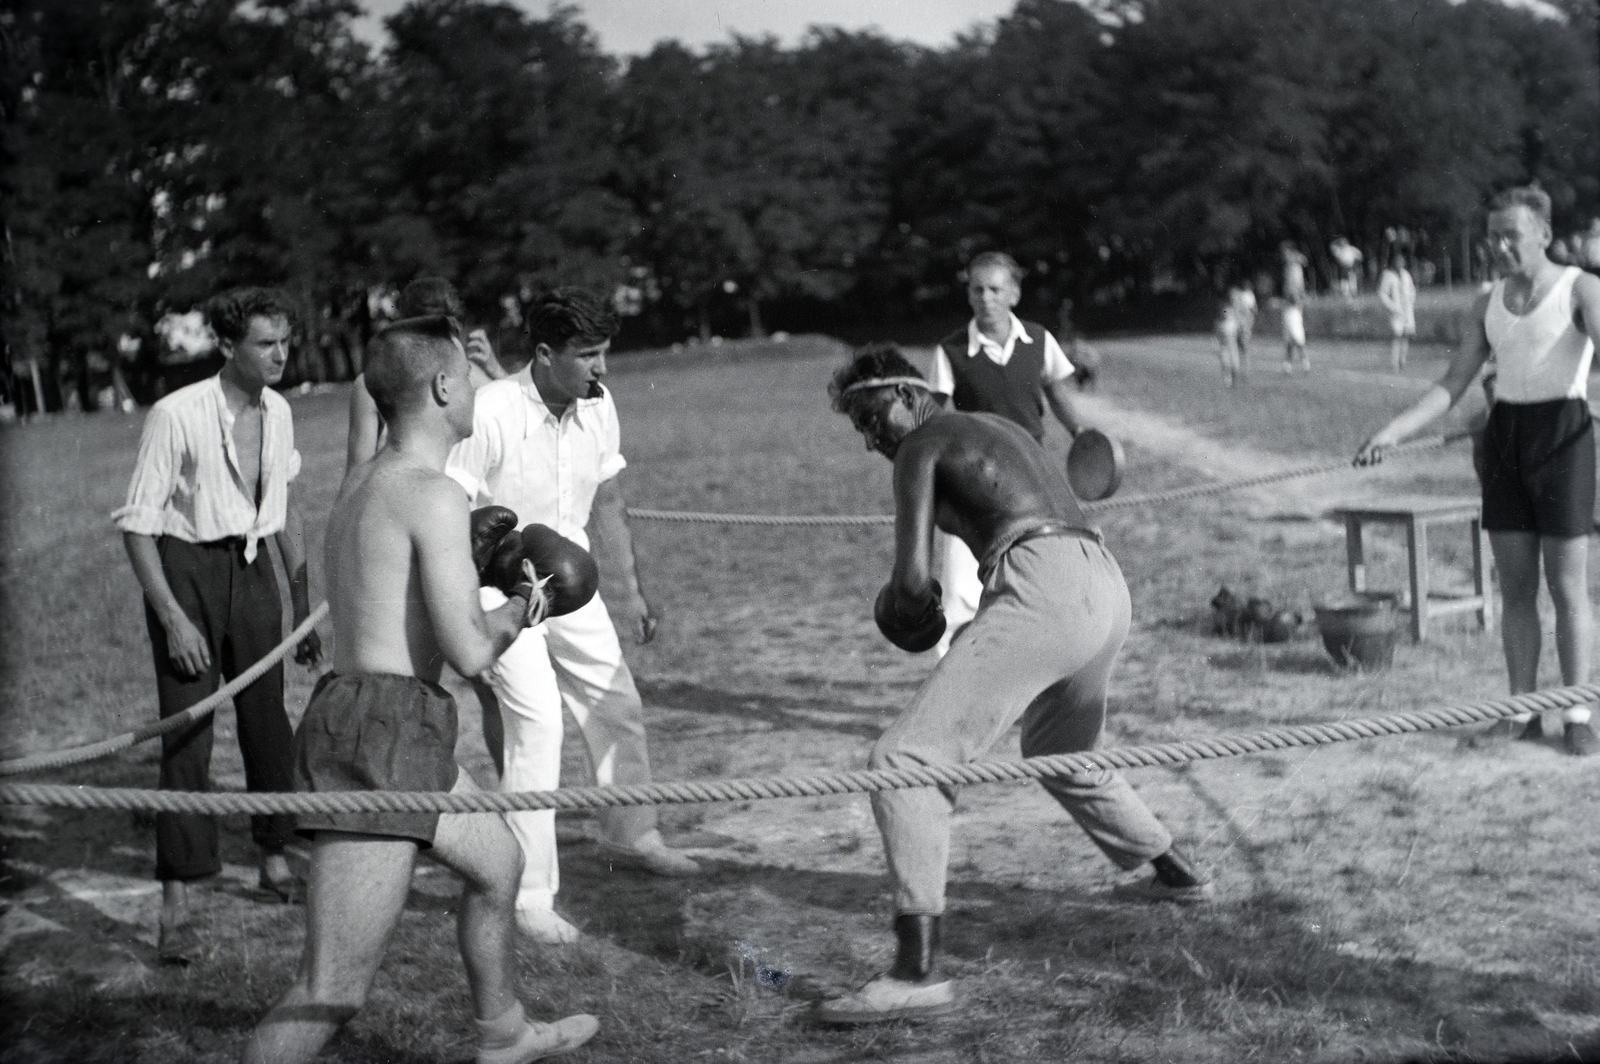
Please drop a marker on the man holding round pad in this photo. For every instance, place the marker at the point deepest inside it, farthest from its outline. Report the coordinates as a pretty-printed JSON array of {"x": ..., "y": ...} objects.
[
  {"x": 403, "y": 601},
  {"x": 1053, "y": 616},
  {"x": 998, "y": 364}
]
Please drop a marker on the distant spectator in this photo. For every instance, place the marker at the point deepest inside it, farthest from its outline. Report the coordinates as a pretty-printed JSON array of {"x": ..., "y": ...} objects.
[
  {"x": 1294, "y": 297},
  {"x": 1228, "y": 342},
  {"x": 1398, "y": 294},
  {"x": 1243, "y": 300},
  {"x": 1560, "y": 254},
  {"x": 1348, "y": 257}
]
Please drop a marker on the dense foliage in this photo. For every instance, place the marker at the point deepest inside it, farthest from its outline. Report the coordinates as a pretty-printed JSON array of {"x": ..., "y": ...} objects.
[{"x": 154, "y": 150}]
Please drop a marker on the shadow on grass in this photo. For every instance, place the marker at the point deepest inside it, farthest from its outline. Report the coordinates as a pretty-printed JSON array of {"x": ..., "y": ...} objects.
[{"x": 1295, "y": 660}]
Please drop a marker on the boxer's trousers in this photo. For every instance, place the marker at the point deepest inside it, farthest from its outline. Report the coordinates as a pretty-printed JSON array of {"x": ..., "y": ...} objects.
[{"x": 1054, "y": 615}]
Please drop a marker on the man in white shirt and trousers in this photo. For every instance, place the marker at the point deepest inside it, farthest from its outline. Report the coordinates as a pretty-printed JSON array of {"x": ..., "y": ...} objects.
[{"x": 545, "y": 443}]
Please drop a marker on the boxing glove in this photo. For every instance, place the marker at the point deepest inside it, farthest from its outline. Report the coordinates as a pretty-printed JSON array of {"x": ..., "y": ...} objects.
[
  {"x": 913, "y": 634},
  {"x": 489, "y": 526},
  {"x": 569, "y": 575}
]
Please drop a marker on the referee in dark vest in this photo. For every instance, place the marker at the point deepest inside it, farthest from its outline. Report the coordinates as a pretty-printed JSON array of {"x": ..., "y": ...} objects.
[{"x": 998, "y": 364}]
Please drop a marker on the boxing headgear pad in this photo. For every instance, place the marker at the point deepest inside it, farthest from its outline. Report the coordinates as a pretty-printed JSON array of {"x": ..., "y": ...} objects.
[
  {"x": 913, "y": 634},
  {"x": 489, "y": 526}
]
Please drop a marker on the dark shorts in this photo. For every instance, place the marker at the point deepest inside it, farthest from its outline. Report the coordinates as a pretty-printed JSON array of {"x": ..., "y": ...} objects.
[
  {"x": 1539, "y": 468},
  {"x": 376, "y": 732}
]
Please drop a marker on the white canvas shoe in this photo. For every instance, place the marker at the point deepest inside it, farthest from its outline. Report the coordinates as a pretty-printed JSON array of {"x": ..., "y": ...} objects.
[
  {"x": 546, "y": 926},
  {"x": 890, "y": 999},
  {"x": 540, "y": 1040}
]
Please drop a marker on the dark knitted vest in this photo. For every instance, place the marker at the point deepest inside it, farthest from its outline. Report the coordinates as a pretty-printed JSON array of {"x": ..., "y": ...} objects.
[{"x": 1011, "y": 390}]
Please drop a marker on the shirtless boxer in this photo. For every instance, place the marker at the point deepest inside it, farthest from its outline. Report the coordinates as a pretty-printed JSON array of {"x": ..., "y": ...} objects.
[
  {"x": 403, "y": 599},
  {"x": 1052, "y": 618}
]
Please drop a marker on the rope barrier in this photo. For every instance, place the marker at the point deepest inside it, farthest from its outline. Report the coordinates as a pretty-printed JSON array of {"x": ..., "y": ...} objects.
[
  {"x": 1126, "y": 502},
  {"x": 91, "y": 751},
  {"x": 78, "y": 754},
  {"x": 736, "y": 790}
]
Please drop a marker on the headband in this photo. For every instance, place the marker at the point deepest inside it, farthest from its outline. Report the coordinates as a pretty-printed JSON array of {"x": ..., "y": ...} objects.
[{"x": 886, "y": 382}]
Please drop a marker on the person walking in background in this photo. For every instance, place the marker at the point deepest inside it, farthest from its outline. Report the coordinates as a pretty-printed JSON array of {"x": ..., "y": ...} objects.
[
  {"x": 212, "y": 481},
  {"x": 1398, "y": 294},
  {"x": 1242, "y": 298},
  {"x": 1227, "y": 330},
  {"x": 1294, "y": 298},
  {"x": 546, "y": 444},
  {"x": 1538, "y": 460},
  {"x": 1348, "y": 257},
  {"x": 998, "y": 364}
]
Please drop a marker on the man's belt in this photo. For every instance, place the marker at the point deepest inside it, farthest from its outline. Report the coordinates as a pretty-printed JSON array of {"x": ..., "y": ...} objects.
[{"x": 997, "y": 549}]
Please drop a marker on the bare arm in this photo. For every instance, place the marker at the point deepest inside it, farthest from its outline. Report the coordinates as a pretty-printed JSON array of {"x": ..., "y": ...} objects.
[
  {"x": 913, "y": 527},
  {"x": 608, "y": 521},
  {"x": 1586, "y": 296},
  {"x": 481, "y": 354},
  {"x": 1464, "y": 366},
  {"x": 1059, "y": 396},
  {"x": 365, "y": 425},
  {"x": 470, "y": 639},
  {"x": 292, "y": 545},
  {"x": 185, "y": 645}
]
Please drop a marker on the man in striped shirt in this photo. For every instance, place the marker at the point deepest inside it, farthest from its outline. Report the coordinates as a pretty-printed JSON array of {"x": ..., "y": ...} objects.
[{"x": 211, "y": 482}]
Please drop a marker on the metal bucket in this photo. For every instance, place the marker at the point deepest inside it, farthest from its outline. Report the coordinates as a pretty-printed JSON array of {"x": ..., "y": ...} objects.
[{"x": 1360, "y": 635}]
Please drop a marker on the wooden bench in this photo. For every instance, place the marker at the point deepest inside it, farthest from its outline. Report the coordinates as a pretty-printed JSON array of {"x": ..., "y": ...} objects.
[{"x": 1415, "y": 513}]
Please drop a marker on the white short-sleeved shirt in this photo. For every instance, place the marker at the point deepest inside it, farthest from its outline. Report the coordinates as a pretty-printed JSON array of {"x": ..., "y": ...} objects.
[
  {"x": 547, "y": 469},
  {"x": 1056, "y": 365},
  {"x": 187, "y": 482}
]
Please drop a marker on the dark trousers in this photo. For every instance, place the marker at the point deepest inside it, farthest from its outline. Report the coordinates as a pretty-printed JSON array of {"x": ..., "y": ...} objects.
[{"x": 236, "y": 607}]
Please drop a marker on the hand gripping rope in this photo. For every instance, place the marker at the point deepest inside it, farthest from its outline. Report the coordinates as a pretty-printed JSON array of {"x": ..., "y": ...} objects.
[
  {"x": 740, "y": 790},
  {"x": 105, "y": 747}
]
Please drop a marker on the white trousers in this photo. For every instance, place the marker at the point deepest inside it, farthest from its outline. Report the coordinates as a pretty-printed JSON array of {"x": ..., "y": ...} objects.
[
  {"x": 957, "y": 572},
  {"x": 576, "y": 661}
]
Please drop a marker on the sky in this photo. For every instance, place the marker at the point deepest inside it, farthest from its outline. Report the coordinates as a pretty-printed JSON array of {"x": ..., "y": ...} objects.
[{"x": 631, "y": 27}]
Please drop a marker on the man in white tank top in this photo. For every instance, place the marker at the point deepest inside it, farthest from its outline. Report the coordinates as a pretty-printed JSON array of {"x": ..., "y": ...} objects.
[{"x": 1540, "y": 324}]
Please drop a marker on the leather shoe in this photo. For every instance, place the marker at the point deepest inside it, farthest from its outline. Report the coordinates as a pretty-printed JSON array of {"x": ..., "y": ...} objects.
[
  {"x": 178, "y": 944},
  {"x": 546, "y": 927},
  {"x": 1505, "y": 728},
  {"x": 1580, "y": 739},
  {"x": 886, "y": 998},
  {"x": 285, "y": 888},
  {"x": 1153, "y": 890},
  {"x": 656, "y": 859}
]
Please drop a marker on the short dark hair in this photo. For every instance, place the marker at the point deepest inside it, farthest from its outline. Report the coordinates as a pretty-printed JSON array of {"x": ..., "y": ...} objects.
[
  {"x": 1000, "y": 259},
  {"x": 564, "y": 315},
  {"x": 872, "y": 362},
  {"x": 430, "y": 295},
  {"x": 404, "y": 356},
  {"x": 229, "y": 313},
  {"x": 1532, "y": 197}
]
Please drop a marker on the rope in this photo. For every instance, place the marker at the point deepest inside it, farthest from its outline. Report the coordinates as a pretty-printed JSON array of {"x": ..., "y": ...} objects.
[
  {"x": 741, "y": 790},
  {"x": 78, "y": 754},
  {"x": 1151, "y": 499}
]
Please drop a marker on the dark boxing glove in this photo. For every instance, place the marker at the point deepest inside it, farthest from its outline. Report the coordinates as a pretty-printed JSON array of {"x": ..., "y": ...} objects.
[
  {"x": 572, "y": 574},
  {"x": 489, "y": 524},
  {"x": 913, "y": 634}
]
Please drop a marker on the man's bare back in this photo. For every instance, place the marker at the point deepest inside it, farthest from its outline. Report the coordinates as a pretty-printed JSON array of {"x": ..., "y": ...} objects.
[{"x": 989, "y": 477}]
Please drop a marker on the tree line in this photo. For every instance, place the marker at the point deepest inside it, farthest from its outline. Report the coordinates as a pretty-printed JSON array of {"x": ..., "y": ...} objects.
[{"x": 1130, "y": 153}]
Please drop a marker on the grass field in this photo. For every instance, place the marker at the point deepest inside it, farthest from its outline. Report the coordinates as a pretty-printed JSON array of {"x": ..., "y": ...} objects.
[{"x": 1402, "y": 899}]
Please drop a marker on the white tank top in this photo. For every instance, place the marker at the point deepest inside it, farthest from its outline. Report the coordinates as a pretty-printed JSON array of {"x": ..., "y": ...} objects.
[{"x": 1540, "y": 355}]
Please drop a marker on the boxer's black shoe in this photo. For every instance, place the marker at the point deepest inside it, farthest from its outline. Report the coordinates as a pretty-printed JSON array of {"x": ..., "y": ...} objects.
[{"x": 1579, "y": 739}]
